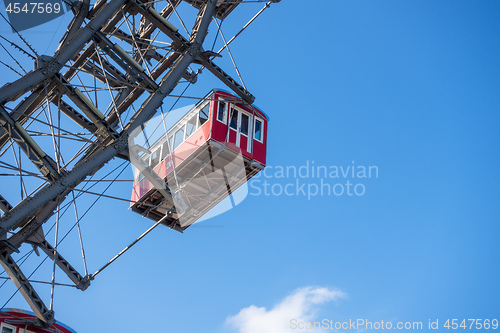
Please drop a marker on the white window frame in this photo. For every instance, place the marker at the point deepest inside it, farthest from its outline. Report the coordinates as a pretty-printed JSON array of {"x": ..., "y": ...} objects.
[
  {"x": 183, "y": 129},
  {"x": 196, "y": 125},
  {"x": 226, "y": 113},
  {"x": 199, "y": 111},
  {"x": 164, "y": 149},
  {"x": 238, "y": 131},
  {"x": 238, "y": 121},
  {"x": 2, "y": 325},
  {"x": 159, "y": 156},
  {"x": 171, "y": 142},
  {"x": 240, "y": 116},
  {"x": 234, "y": 109},
  {"x": 262, "y": 129}
]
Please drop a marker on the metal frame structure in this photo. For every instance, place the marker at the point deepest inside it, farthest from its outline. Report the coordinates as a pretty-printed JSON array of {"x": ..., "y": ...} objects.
[{"x": 50, "y": 81}]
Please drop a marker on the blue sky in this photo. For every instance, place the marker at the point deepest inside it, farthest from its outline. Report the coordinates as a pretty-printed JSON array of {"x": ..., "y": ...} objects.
[{"x": 411, "y": 87}]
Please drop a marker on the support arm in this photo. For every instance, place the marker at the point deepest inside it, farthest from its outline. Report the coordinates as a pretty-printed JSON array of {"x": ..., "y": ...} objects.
[{"x": 16, "y": 275}]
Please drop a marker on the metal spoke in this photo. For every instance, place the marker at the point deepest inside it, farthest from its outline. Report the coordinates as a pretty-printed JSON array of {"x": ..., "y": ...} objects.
[
  {"x": 110, "y": 93},
  {"x": 80, "y": 234},
  {"x": 53, "y": 282},
  {"x": 18, "y": 164},
  {"x": 230, "y": 54},
  {"x": 136, "y": 44}
]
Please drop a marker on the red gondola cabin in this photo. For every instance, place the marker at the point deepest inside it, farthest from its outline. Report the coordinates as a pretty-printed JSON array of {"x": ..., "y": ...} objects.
[
  {"x": 21, "y": 321},
  {"x": 211, "y": 151}
]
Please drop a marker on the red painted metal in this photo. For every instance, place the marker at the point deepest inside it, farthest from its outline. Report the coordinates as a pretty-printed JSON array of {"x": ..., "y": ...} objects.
[{"x": 21, "y": 321}]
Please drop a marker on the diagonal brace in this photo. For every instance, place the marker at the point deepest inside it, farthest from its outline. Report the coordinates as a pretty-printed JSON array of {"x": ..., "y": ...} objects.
[
  {"x": 45, "y": 315},
  {"x": 5, "y": 206},
  {"x": 80, "y": 282},
  {"x": 41, "y": 160}
]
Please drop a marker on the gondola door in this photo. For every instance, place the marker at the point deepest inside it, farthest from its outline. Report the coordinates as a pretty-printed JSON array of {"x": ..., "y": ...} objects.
[{"x": 240, "y": 128}]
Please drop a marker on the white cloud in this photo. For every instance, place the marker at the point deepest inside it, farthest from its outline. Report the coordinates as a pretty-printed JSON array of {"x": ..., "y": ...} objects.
[{"x": 302, "y": 305}]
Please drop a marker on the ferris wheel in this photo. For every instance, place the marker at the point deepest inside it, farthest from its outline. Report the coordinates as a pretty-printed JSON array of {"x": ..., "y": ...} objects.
[{"x": 66, "y": 125}]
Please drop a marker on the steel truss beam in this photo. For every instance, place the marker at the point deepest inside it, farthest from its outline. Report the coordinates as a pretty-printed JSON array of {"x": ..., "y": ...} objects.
[
  {"x": 115, "y": 74},
  {"x": 80, "y": 282},
  {"x": 44, "y": 72},
  {"x": 45, "y": 316},
  {"x": 32, "y": 223},
  {"x": 148, "y": 27},
  {"x": 102, "y": 130},
  {"x": 76, "y": 116},
  {"x": 5, "y": 206},
  {"x": 161, "y": 23},
  {"x": 227, "y": 79},
  {"x": 133, "y": 68},
  {"x": 24, "y": 110},
  {"x": 62, "y": 56},
  {"x": 42, "y": 161},
  {"x": 27, "y": 107},
  {"x": 81, "y": 10}
]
